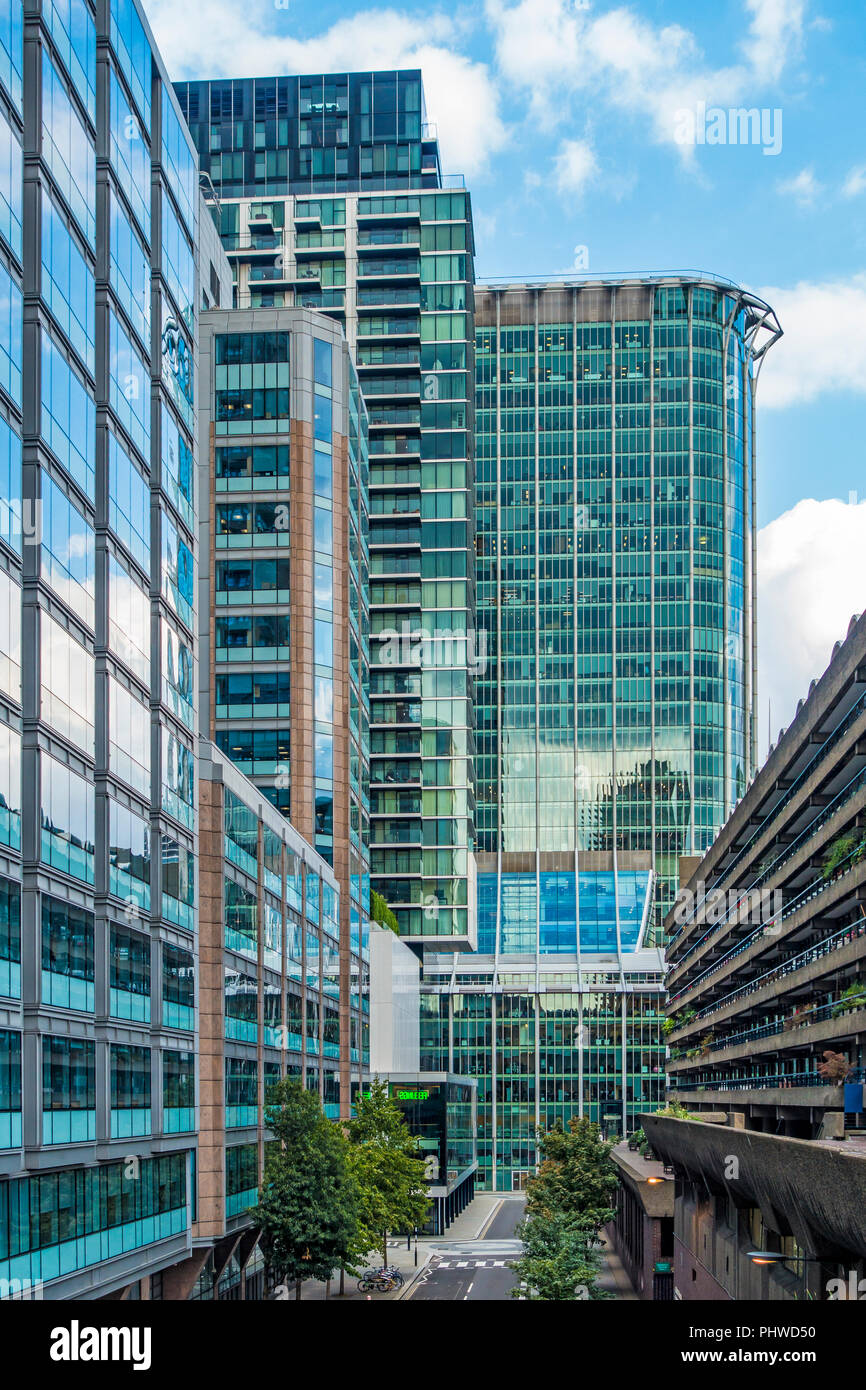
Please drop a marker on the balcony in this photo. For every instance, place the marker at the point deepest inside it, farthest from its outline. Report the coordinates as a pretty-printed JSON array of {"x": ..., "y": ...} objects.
[
  {"x": 270, "y": 275},
  {"x": 389, "y": 268},
  {"x": 377, "y": 239},
  {"x": 257, "y": 246}
]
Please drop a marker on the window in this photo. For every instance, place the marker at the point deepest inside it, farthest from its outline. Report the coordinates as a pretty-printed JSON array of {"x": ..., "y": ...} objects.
[
  {"x": 11, "y": 320},
  {"x": 178, "y": 882},
  {"x": 67, "y": 684},
  {"x": 68, "y": 551},
  {"x": 67, "y": 955},
  {"x": 177, "y": 572},
  {"x": 128, "y": 503},
  {"x": 10, "y": 787},
  {"x": 130, "y": 157},
  {"x": 178, "y": 263},
  {"x": 129, "y": 386},
  {"x": 12, "y": 50},
  {"x": 244, "y": 466},
  {"x": 67, "y": 150},
  {"x": 178, "y": 1093},
  {"x": 68, "y": 421},
  {"x": 10, "y": 636},
  {"x": 180, "y": 163},
  {"x": 129, "y": 977},
  {"x": 91, "y": 1219},
  {"x": 74, "y": 35},
  {"x": 129, "y": 856},
  {"x": 10, "y": 939},
  {"x": 128, "y": 620},
  {"x": 67, "y": 820},
  {"x": 177, "y": 466},
  {"x": 129, "y": 41},
  {"x": 177, "y": 779},
  {"x": 178, "y": 988},
  {"x": 10, "y": 1089},
  {"x": 130, "y": 270},
  {"x": 130, "y": 1090},
  {"x": 240, "y": 918},
  {"x": 68, "y": 1090},
  {"x": 177, "y": 674},
  {"x": 322, "y": 368},
  {"x": 128, "y": 737},
  {"x": 10, "y": 486}
]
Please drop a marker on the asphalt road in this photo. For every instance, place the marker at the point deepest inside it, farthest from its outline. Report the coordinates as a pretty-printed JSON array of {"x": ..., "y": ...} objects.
[{"x": 475, "y": 1269}]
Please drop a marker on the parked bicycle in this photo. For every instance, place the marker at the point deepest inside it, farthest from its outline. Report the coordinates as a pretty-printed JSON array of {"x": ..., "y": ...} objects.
[{"x": 381, "y": 1280}]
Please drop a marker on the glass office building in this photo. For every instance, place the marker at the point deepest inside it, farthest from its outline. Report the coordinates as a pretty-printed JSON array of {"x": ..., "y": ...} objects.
[
  {"x": 285, "y": 565},
  {"x": 615, "y": 448},
  {"x": 331, "y": 198},
  {"x": 325, "y": 133},
  {"x": 97, "y": 716}
]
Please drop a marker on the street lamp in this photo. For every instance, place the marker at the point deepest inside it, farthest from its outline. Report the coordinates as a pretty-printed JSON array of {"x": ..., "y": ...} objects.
[{"x": 775, "y": 1257}]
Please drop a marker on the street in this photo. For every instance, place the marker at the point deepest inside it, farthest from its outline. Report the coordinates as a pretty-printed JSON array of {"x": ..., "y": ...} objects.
[{"x": 475, "y": 1269}]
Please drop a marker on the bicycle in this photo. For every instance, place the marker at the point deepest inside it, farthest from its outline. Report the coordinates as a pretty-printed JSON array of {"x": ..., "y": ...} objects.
[{"x": 382, "y": 1280}]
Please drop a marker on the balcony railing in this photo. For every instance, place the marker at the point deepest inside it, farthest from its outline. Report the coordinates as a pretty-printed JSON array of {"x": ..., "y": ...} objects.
[
  {"x": 787, "y": 967},
  {"x": 827, "y": 812},
  {"x": 813, "y": 890},
  {"x": 833, "y": 738},
  {"x": 790, "y": 1023},
  {"x": 761, "y": 1081}
]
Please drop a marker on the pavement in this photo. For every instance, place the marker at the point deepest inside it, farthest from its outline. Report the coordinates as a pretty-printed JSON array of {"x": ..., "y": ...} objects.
[{"x": 470, "y": 1262}]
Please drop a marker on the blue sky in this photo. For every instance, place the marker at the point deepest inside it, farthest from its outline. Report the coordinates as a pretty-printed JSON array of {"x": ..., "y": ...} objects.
[{"x": 566, "y": 117}]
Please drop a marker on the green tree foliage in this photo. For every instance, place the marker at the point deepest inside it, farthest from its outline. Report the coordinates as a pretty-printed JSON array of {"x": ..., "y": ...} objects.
[
  {"x": 381, "y": 912},
  {"x": 560, "y": 1262},
  {"x": 576, "y": 1178},
  {"x": 674, "y": 1111},
  {"x": 387, "y": 1169},
  {"x": 567, "y": 1202},
  {"x": 308, "y": 1201}
]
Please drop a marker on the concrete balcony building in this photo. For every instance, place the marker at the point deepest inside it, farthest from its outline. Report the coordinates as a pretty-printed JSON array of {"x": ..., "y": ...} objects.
[{"x": 768, "y": 1002}]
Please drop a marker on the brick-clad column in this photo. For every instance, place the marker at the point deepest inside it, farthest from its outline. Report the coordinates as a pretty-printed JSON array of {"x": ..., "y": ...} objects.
[
  {"x": 342, "y": 866},
  {"x": 211, "y": 1064},
  {"x": 301, "y": 604}
]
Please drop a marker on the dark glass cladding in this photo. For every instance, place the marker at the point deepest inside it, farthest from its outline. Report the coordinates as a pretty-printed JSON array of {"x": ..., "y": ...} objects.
[{"x": 333, "y": 133}]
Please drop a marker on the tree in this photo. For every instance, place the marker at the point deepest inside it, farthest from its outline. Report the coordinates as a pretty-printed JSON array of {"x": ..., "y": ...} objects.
[
  {"x": 381, "y": 912},
  {"x": 835, "y": 1067},
  {"x": 308, "y": 1200},
  {"x": 388, "y": 1172},
  {"x": 560, "y": 1262},
  {"x": 576, "y": 1179}
]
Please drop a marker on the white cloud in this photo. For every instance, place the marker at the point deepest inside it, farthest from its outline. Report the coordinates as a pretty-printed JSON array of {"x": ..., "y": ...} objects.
[
  {"x": 824, "y": 344},
  {"x": 811, "y": 580},
  {"x": 574, "y": 167},
  {"x": 774, "y": 35},
  {"x": 234, "y": 40},
  {"x": 556, "y": 49},
  {"x": 803, "y": 187},
  {"x": 855, "y": 183}
]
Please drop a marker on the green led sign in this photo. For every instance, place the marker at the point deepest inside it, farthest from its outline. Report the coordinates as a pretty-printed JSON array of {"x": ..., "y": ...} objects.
[{"x": 410, "y": 1095}]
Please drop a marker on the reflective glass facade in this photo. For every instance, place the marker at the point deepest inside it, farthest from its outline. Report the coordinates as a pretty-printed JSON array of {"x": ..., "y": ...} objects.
[
  {"x": 289, "y": 698},
  {"x": 324, "y": 133},
  {"x": 309, "y": 172},
  {"x": 96, "y": 767},
  {"x": 615, "y": 707}
]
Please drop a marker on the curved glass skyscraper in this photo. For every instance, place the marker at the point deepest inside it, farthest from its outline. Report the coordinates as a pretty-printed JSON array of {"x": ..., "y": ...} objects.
[{"x": 615, "y": 448}]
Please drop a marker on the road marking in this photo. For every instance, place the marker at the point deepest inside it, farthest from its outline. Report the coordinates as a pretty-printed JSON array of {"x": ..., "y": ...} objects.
[{"x": 468, "y": 1292}]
